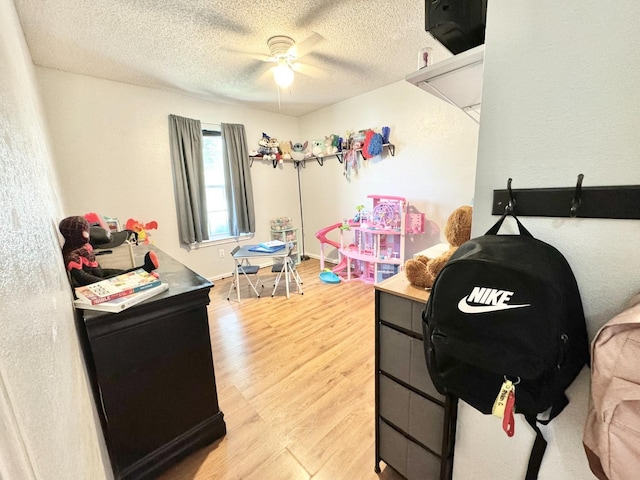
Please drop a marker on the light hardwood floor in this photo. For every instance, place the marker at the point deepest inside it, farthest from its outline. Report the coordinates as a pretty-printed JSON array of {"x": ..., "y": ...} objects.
[{"x": 295, "y": 382}]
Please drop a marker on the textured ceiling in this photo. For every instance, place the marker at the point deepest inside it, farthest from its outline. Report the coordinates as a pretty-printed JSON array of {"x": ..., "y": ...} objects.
[{"x": 213, "y": 49}]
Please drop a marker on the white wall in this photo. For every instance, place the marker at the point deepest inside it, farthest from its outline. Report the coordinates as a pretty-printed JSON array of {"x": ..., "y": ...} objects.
[
  {"x": 111, "y": 145},
  {"x": 48, "y": 425},
  {"x": 560, "y": 97},
  {"x": 433, "y": 167}
]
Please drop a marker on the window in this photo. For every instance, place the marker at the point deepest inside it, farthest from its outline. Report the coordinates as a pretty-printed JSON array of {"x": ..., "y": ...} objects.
[
  {"x": 215, "y": 186},
  {"x": 212, "y": 180}
]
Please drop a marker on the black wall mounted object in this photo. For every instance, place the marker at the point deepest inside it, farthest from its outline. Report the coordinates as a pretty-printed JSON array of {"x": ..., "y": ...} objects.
[
  {"x": 458, "y": 24},
  {"x": 615, "y": 202}
]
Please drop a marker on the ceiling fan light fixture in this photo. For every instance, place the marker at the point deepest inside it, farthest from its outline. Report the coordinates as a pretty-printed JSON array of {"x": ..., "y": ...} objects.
[{"x": 283, "y": 74}]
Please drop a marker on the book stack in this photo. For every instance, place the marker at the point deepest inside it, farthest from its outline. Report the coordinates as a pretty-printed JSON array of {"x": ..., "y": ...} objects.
[{"x": 120, "y": 292}]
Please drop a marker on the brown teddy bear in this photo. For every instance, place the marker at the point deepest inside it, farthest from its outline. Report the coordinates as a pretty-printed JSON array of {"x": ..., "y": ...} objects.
[{"x": 422, "y": 271}]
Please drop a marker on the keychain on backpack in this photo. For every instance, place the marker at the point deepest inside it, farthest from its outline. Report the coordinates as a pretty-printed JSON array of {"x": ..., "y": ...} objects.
[{"x": 504, "y": 406}]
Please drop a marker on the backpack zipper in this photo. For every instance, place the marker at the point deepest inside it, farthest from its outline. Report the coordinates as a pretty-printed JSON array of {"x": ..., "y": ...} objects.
[{"x": 563, "y": 351}]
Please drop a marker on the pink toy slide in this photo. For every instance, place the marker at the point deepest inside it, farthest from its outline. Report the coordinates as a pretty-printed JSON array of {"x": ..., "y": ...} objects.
[{"x": 322, "y": 236}]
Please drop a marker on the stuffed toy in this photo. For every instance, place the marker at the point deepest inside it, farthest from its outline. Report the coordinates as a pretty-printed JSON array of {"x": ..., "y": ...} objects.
[
  {"x": 141, "y": 229},
  {"x": 285, "y": 148},
  {"x": 365, "y": 145},
  {"x": 385, "y": 134},
  {"x": 375, "y": 145},
  {"x": 299, "y": 151},
  {"x": 317, "y": 148},
  {"x": 274, "y": 149},
  {"x": 422, "y": 271},
  {"x": 263, "y": 145},
  {"x": 330, "y": 147},
  {"x": 78, "y": 256}
]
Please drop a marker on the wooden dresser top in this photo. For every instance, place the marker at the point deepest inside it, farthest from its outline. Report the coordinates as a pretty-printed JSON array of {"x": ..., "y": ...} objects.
[{"x": 399, "y": 285}]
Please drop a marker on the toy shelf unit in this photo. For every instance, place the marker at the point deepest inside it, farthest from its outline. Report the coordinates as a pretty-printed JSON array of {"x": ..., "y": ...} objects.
[
  {"x": 283, "y": 230},
  {"x": 377, "y": 246}
]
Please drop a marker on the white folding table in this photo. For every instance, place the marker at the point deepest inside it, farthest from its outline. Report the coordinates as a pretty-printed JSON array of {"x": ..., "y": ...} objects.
[{"x": 245, "y": 253}]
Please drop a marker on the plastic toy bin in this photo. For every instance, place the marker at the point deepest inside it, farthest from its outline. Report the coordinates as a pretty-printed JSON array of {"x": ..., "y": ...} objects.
[{"x": 281, "y": 223}]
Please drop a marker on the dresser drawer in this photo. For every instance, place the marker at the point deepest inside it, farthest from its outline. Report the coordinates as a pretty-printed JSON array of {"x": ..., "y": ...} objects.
[
  {"x": 419, "y": 417},
  {"x": 407, "y": 458},
  {"x": 402, "y": 312},
  {"x": 402, "y": 357}
]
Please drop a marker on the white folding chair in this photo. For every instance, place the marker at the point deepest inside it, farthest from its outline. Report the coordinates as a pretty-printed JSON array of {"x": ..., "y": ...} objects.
[
  {"x": 291, "y": 272},
  {"x": 247, "y": 270}
]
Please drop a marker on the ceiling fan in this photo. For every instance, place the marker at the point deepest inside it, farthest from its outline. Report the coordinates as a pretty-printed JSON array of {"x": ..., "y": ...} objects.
[{"x": 285, "y": 53}]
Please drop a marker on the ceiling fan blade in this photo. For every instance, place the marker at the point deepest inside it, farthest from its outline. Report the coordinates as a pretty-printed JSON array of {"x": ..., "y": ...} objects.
[
  {"x": 254, "y": 55},
  {"x": 344, "y": 64},
  {"x": 261, "y": 57},
  {"x": 300, "y": 49},
  {"x": 312, "y": 71},
  {"x": 320, "y": 10},
  {"x": 253, "y": 70},
  {"x": 265, "y": 76}
]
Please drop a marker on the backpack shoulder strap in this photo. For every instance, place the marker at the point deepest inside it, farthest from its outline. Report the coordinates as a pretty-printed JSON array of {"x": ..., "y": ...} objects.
[
  {"x": 540, "y": 444},
  {"x": 494, "y": 230},
  {"x": 557, "y": 406},
  {"x": 537, "y": 451}
]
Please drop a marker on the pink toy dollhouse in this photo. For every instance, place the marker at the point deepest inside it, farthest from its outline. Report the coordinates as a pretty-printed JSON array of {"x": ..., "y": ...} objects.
[{"x": 372, "y": 248}]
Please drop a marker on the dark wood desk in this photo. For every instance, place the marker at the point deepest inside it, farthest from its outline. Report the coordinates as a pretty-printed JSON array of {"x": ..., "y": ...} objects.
[{"x": 152, "y": 372}]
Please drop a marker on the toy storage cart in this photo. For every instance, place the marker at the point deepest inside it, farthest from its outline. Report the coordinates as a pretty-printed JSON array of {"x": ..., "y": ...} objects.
[{"x": 282, "y": 229}]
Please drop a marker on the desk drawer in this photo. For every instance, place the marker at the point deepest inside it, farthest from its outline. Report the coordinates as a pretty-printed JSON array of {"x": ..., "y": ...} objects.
[
  {"x": 402, "y": 357},
  {"x": 407, "y": 458},
  {"x": 402, "y": 312},
  {"x": 419, "y": 417}
]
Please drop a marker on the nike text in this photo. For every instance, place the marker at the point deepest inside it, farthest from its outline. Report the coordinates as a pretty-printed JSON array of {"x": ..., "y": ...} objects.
[{"x": 491, "y": 300}]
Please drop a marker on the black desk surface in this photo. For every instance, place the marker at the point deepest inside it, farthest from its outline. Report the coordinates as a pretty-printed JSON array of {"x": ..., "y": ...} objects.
[{"x": 181, "y": 280}]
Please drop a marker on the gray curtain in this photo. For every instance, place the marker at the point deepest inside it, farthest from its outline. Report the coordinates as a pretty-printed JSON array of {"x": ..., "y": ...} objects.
[
  {"x": 185, "y": 136},
  {"x": 235, "y": 154}
]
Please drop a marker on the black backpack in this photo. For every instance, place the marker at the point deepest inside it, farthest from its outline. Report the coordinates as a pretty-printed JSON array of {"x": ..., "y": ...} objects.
[{"x": 507, "y": 308}]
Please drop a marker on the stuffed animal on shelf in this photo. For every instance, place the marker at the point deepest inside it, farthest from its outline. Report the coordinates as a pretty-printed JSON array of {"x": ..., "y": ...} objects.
[
  {"x": 274, "y": 149},
  {"x": 422, "y": 271},
  {"x": 263, "y": 145},
  {"x": 337, "y": 143},
  {"x": 285, "y": 148},
  {"x": 317, "y": 148},
  {"x": 330, "y": 147},
  {"x": 79, "y": 259},
  {"x": 385, "y": 134},
  {"x": 299, "y": 151}
]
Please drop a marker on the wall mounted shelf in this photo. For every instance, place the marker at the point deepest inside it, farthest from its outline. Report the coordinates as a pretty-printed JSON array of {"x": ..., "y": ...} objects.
[
  {"x": 389, "y": 146},
  {"x": 457, "y": 80},
  {"x": 320, "y": 159}
]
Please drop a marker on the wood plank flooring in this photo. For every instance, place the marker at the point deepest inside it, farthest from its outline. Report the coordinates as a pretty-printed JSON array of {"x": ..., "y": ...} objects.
[{"x": 295, "y": 382}]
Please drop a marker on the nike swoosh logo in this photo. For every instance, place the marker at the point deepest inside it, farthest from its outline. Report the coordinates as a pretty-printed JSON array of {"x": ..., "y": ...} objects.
[{"x": 464, "y": 307}]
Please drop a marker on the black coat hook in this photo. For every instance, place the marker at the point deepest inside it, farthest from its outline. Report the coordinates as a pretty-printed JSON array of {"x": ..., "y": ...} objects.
[
  {"x": 511, "y": 206},
  {"x": 615, "y": 202},
  {"x": 577, "y": 197}
]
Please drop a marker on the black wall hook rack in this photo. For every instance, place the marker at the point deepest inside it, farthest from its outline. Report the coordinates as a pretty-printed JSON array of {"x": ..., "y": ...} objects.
[{"x": 618, "y": 202}]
